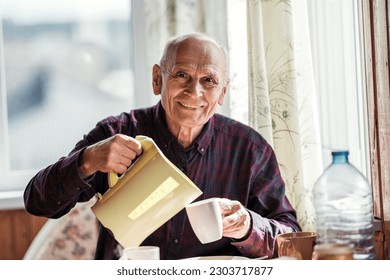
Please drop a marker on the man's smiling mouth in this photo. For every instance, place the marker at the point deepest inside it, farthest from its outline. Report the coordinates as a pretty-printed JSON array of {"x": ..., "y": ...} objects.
[{"x": 192, "y": 107}]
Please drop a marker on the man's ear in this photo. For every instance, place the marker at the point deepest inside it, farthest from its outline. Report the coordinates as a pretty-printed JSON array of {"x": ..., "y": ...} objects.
[
  {"x": 223, "y": 93},
  {"x": 156, "y": 79}
]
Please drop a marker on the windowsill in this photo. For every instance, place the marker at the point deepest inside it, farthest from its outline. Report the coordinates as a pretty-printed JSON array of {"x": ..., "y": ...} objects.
[
  {"x": 11, "y": 200},
  {"x": 12, "y": 187}
]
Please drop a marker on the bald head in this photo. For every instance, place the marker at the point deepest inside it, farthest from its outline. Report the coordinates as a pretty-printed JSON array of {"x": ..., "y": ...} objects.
[{"x": 175, "y": 43}]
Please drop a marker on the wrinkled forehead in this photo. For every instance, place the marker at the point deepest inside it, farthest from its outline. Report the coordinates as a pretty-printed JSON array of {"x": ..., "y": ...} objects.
[
  {"x": 204, "y": 51},
  {"x": 198, "y": 46}
]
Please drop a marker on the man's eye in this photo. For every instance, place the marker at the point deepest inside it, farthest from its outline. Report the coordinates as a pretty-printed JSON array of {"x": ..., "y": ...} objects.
[
  {"x": 210, "y": 80},
  {"x": 181, "y": 75}
]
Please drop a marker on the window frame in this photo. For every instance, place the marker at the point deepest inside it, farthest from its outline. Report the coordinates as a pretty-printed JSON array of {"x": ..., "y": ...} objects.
[
  {"x": 13, "y": 182},
  {"x": 376, "y": 15}
]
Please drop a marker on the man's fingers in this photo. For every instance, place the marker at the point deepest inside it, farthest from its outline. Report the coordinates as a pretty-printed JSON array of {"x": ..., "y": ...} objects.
[
  {"x": 236, "y": 221},
  {"x": 132, "y": 144},
  {"x": 125, "y": 148},
  {"x": 236, "y": 217},
  {"x": 229, "y": 206}
]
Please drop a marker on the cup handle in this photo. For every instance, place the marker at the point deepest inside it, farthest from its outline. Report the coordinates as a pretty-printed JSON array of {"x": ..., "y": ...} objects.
[{"x": 112, "y": 176}]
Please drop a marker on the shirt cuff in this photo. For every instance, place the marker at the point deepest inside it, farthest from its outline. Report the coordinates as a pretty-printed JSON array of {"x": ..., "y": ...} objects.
[
  {"x": 71, "y": 175},
  {"x": 256, "y": 244}
]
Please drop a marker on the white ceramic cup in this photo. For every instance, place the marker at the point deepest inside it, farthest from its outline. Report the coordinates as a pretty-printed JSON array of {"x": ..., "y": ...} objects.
[
  {"x": 141, "y": 253},
  {"x": 206, "y": 219}
]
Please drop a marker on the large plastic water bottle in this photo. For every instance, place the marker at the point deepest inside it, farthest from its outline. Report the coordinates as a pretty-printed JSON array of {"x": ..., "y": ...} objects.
[{"x": 343, "y": 205}]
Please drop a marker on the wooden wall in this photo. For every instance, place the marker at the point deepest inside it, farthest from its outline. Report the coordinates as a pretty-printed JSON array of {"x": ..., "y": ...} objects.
[{"x": 17, "y": 230}]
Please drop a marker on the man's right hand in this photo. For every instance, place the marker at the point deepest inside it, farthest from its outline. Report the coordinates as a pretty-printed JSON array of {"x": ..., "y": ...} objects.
[{"x": 114, "y": 154}]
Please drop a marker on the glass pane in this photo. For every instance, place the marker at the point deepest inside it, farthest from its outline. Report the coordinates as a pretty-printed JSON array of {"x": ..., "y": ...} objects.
[
  {"x": 68, "y": 64},
  {"x": 338, "y": 72}
]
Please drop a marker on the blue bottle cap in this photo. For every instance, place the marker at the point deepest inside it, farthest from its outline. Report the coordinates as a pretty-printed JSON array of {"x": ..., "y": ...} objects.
[{"x": 340, "y": 153}]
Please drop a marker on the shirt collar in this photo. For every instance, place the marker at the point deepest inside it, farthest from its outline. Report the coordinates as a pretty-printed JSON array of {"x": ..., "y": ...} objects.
[{"x": 201, "y": 142}]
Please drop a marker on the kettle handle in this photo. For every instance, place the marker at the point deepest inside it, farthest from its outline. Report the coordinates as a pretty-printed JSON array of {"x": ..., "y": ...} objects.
[
  {"x": 112, "y": 179},
  {"x": 112, "y": 176}
]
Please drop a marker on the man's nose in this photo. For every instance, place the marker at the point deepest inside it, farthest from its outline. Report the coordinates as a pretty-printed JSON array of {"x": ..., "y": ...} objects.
[{"x": 195, "y": 87}]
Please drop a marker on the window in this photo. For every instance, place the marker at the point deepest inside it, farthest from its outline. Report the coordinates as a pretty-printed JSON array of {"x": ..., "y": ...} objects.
[
  {"x": 335, "y": 33},
  {"x": 64, "y": 65}
]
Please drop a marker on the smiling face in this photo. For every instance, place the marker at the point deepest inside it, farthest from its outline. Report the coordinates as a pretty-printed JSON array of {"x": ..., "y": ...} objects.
[{"x": 192, "y": 82}]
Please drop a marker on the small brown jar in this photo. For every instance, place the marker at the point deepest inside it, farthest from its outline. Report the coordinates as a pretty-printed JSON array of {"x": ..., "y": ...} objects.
[{"x": 333, "y": 251}]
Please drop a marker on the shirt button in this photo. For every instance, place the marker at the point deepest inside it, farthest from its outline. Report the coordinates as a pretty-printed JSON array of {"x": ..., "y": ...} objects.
[
  {"x": 58, "y": 202},
  {"x": 78, "y": 188},
  {"x": 202, "y": 150},
  {"x": 176, "y": 241}
]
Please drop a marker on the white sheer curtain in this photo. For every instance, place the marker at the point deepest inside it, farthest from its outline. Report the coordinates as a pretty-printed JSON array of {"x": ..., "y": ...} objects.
[
  {"x": 282, "y": 103},
  {"x": 272, "y": 85}
]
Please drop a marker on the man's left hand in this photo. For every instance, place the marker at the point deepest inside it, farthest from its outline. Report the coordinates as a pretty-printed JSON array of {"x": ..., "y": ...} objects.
[{"x": 236, "y": 219}]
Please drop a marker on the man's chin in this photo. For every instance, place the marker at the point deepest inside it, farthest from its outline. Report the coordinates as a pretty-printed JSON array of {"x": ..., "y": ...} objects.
[{"x": 189, "y": 124}]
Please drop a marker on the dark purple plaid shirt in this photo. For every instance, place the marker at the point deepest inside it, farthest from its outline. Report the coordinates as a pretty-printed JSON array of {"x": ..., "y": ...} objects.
[{"x": 227, "y": 159}]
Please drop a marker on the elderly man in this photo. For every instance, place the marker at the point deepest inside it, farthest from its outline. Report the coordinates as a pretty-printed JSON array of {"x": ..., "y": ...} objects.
[{"x": 224, "y": 158}]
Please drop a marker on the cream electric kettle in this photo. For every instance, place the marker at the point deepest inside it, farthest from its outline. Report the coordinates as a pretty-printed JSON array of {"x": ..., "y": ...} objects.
[{"x": 151, "y": 192}]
